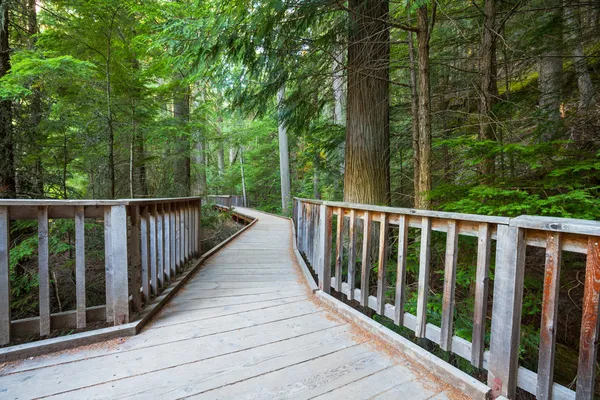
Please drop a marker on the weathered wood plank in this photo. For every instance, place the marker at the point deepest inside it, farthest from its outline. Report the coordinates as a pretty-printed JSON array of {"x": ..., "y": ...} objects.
[
  {"x": 339, "y": 249},
  {"x": 182, "y": 235},
  {"x": 167, "y": 241},
  {"x": 586, "y": 370},
  {"x": 352, "y": 254},
  {"x": 160, "y": 255},
  {"x": 326, "y": 214},
  {"x": 145, "y": 254},
  {"x": 119, "y": 264},
  {"x": 545, "y": 377},
  {"x": 80, "y": 266},
  {"x": 153, "y": 251},
  {"x": 382, "y": 268},
  {"x": 5, "y": 315},
  {"x": 449, "y": 287},
  {"x": 366, "y": 258},
  {"x": 423, "y": 290},
  {"x": 136, "y": 259},
  {"x": 401, "y": 271},
  {"x": 506, "y": 314},
  {"x": 44, "y": 273},
  {"x": 172, "y": 239},
  {"x": 108, "y": 269},
  {"x": 178, "y": 237},
  {"x": 484, "y": 244}
]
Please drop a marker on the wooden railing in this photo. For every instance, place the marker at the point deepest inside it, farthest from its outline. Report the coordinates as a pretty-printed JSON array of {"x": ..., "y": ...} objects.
[
  {"x": 314, "y": 221},
  {"x": 226, "y": 200},
  {"x": 146, "y": 243}
]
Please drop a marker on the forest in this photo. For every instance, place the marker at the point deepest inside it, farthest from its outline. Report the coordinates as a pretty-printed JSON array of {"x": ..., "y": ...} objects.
[{"x": 485, "y": 106}]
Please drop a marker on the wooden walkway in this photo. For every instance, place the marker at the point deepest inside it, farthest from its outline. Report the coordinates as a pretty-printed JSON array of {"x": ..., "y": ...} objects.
[{"x": 244, "y": 327}]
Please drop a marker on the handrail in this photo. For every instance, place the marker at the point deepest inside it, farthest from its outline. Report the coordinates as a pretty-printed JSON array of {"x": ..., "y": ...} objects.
[
  {"x": 315, "y": 238},
  {"x": 226, "y": 200},
  {"x": 146, "y": 242}
]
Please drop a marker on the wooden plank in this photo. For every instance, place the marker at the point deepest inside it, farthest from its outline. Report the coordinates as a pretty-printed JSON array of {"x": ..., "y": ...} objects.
[
  {"x": 339, "y": 249},
  {"x": 545, "y": 377},
  {"x": 80, "y": 266},
  {"x": 197, "y": 229},
  {"x": 177, "y": 238},
  {"x": 172, "y": 240},
  {"x": 506, "y": 314},
  {"x": 352, "y": 254},
  {"x": 108, "y": 265},
  {"x": 449, "y": 287},
  {"x": 484, "y": 244},
  {"x": 586, "y": 370},
  {"x": 145, "y": 254},
  {"x": 182, "y": 235},
  {"x": 567, "y": 225},
  {"x": 423, "y": 289},
  {"x": 160, "y": 255},
  {"x": 136, "y": 259},
  {"x": 5, "y": 315},
  {"x": 153, "y": 255},
  {"x": 118, "y": 235},
  {"x": 167, "y": 240},
  {"x": 366, "y": 259},
  {"x": 401, "y": 271},
  {"x": 326, "y": 216},
  {"x": 382, "y": 268},
  {"x": 44, "y": 273}
]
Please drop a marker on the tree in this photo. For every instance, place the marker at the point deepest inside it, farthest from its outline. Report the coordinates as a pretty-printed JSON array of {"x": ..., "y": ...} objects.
[
  {"x": 7, "y": 168},
  {"x": 284, "y": 158}
]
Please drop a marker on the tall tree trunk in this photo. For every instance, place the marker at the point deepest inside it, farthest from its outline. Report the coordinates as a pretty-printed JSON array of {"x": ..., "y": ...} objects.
[
  {"x": 109, "y": 123},
  {"x": 573, "y": 33},
  {"x": 367, "y": 177},
  {"x": 338, "y": 85},
  {"x": 488, "y": 88},
  {"x": 233, "y": 151},
  {"x": 181, "y": 112},
  {"x": 35, "y": 115},
  {"x": 423, "y": 35},
  {"x": 550, "y": 72},
  {"x": 243, "y": 176},
  {"x": 7, "y": 161},
  {"x": 284, "y": 158},
  {"x": 316, "y": 177},
  {"x": 414, "y": 111},
  {"x": 199, "y": 162}
]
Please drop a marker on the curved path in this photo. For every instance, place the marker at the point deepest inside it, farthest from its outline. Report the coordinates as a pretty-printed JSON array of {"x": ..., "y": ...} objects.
[{"x": 244, "y": 327}]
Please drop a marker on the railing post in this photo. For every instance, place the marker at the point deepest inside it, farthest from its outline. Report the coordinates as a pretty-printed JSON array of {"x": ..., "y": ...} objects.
[
  {"x": 506, "y": 311},
  {"x": 120, "y": 286},
  {"x": 4, "y": 277},
  {"x": 324, "y": 246}
]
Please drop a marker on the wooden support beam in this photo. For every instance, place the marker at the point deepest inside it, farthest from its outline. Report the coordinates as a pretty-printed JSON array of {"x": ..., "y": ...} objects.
[
  {"x": 145, "y": 254},
  {"x": 153, "y": 251},
  {"x": 119, "y": 265},
  {"x": 423, "y": 289},
  {"x": 449, "y": 286},
  {"x": 136, "y": 259},
  {"x": 5, "y": 289},
  {"x": 401, "y": 271},
  {"x": 80, "y": 266},
  {"x": 160, "y": 254},
  {"x": 325, "y": 247},
  {"x": 172, "y": 240},
  {"x": 382, "y": 268},
  {"x": 339, "y": 249},
  {"x": 44, "y": 273},
  {"x": 366, "y": 259},
  {"x": 352, "y": 254},
  {"x": 108, "y": 268},
  {"x": 484, "y": 245}
]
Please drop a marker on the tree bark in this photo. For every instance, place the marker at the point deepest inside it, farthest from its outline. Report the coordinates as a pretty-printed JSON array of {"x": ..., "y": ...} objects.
[
  {"x": 181, "y": 112},
  {"x": 423, "y": 36},
  {"x": 488, "y": 88},
  {"x": 35, "y": 116},
  {"x": 584, "y": 81},
  {"x": 414, "y": 111},
  {"x": 367, "y": 165},
  {"x": 7, "y": 162},
  {"x": 199, "y": 162},
  {"x": 284, "y": 158}
]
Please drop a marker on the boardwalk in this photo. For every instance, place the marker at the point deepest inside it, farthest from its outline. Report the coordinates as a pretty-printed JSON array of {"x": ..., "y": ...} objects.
[{"x": 244, "y": 327}]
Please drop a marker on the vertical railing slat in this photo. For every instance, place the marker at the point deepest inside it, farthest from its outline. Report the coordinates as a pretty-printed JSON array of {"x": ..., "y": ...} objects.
[
  {"x": 325, "y": 226},
  {"x": 80, "y": 266},
  {"x": 136, "y": 258},
  {"x": 160, "y": 255},
  {"x": 182, "y": 235},
  {"x": 167, "y": 241},
  {"x": 484, "y": 239},
  {"x": 423, "y": 288},
  {"x": 382, "y": 268},
  {"x": 588, "y": 339},
  {"x": 44, "y": 273},
  {"x": 506, "y": 314},
  {"x": 401, "y": 270},
  {"x": 366, "y": 259},
  {"x": 549, "y": 320},
  {"x": 4, "y": 276},
  {"x": 153, "y": 251},
  {"x": 339, "y": 249},
  {"x": 352, "y": 255},
  {"x": 449, "y": 286},
  {"x": 108, "y": 266},
  {"x": 172, "y": 243},
  {"x": 177, "y": 237},
  {"x": 145, "y": 254},
  {"x": 118, "y": 226}
]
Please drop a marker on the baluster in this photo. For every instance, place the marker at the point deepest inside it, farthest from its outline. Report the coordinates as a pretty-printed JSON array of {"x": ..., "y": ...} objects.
[
  {"x": 199, "y": 228},
  {"x": 160, "y": 256},
  {"x": 108, "y": 265},
  {"x": 549, "y": 321},
  {"x": 382, "y": 270},
  {"x": 167, "y": 240},
  {"x": 484, "y": 239},
  {"x": 80, "y": 266},
  {"x": 366, "y": 260},
  {"x": 144, "y": 244},
  {"x": 135, "y": 258},
  {"x": 172, "y": 240},
  {"x": 325, "y": 247},
  {"x": 4, "y": 276},
  {"x": 182, "y": 234},
  {"x": 188, "y": 227},
  {"x": 423, "y": 290},
  {"x": 153, "y": 254},
  {"x": 120, "y": 285},
  {"x": 339, "y": 249},
  {"x": 352, "y": 255},
  {"x": 177, "y": 238},
  {"x": 449, "y": 286},
  {"x": 586, "y": 370},
  {"x": 506, "y": 314},
  {"x": 401, "y": 270}
]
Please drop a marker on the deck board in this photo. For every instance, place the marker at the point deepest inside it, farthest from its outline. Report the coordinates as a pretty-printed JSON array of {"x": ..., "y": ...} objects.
[{"x": 244, "y": 327}]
